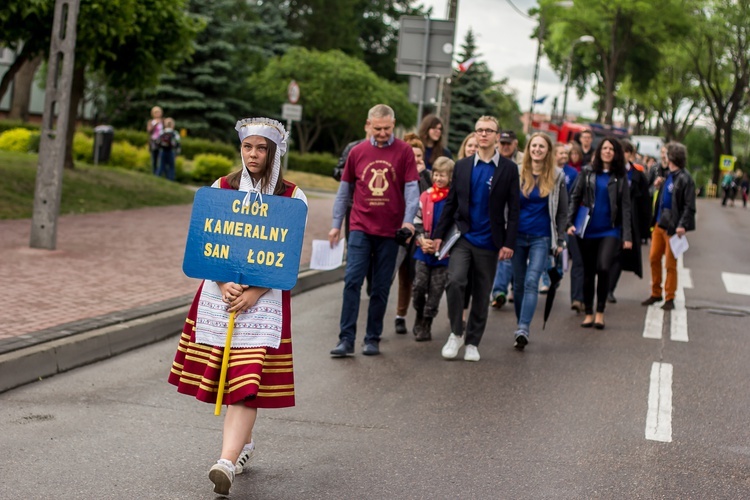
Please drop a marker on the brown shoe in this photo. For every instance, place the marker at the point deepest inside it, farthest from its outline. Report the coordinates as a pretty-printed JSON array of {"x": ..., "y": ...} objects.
[
  {"x": 577, "y": 306},
  {"x": 651, "y": 300}
]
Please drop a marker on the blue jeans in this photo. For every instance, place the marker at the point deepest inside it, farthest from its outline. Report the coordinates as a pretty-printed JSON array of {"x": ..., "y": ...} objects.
[
  {"x": 529, "y": 262},
  {"x": 503, "y": 277},
  {"x": 553, "y": 262},
  {"x": 166, "y": 164},
  {"x": 362, "y": 249}
]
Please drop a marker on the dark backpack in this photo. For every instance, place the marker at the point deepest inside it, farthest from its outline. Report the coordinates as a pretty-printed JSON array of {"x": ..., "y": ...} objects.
[{"x": 166, "y": 140}]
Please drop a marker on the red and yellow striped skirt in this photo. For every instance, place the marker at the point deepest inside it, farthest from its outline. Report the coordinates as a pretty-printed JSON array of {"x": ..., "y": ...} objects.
[{"x": 259, "y": 377}]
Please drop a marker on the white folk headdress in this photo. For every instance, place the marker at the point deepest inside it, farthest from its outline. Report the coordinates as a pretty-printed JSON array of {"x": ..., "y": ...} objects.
[{"x": 271, "y": 130}]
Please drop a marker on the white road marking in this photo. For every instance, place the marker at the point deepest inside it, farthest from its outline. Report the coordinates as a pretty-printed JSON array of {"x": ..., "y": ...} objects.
[
  {"x": 659, "y": 416},
  {"x": 654, "y": 322},
  {"x": 736, "y": 283},
  {"x": 684, "y": 278},
  {"x": 678, "y": 328}
]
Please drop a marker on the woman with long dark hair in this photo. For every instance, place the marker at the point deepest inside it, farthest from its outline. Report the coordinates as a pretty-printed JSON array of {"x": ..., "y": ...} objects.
[
  {"x": 600, "y": 217},
  {"x": 431, "y": 134}
]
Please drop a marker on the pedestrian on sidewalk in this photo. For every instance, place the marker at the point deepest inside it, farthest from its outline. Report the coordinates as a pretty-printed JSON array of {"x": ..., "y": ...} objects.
[
  {"x": 169, "y": 148},
  {"x": 155, "y": 127},
  {"x": 431, "y": 274},
  {"x": 469, "y": 147},
  {"x": 482, "y": 188},
  {"x": 381, "y": 180},
  {"x": 602, "y": 191},
  {"x": 675, "y": 214},
  {"x": 541, "y": 228},
  {"x": 262, "y": 335}
]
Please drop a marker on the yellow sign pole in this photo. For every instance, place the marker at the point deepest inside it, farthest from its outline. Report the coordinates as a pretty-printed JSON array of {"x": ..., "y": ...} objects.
[{"x": 224, "y": 365}]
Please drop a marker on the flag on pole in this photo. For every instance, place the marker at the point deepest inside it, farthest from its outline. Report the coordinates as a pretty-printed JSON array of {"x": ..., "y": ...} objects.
[
  {"x": 464, "y": 66},
  {"x": 540, "y": 100}
]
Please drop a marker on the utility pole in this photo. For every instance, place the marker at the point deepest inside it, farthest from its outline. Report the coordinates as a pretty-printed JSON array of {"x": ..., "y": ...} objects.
[
  {"x": 54, "y": 129},
  {"x": 445, "y": 102},
  {"x": 536, "y": 74}
]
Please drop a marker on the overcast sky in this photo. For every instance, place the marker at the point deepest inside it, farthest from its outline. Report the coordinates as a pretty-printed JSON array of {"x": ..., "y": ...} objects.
[{"x": 503, "y": 40}]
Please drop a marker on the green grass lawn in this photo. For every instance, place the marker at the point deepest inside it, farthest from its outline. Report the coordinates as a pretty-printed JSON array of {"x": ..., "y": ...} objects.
[
  {"x": 99, "y": 189},
  {"x": 86, "y": 189}
]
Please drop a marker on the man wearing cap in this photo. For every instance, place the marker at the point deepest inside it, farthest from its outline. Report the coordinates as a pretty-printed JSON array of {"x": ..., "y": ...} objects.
[
  {"x": 508, "y": 143},
  {"x": 380, "y": 178}
]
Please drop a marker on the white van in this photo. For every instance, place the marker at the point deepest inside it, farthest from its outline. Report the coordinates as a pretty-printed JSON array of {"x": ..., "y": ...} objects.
[{"x": 648, "y": 145}]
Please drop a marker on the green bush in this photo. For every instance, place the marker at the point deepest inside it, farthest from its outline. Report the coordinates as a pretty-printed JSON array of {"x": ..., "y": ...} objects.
[
  {"x": 209, "y": 167},
  {"x": 137, "y": 138},
  {"x": 11, "y": 124},
  {"x": 36, "y": 138},
  {"x": 16, "y": 139},
  {"x": 126, "y": 155},
  {"x": 192, "y": 147},
  {"x": 315, "y": 163},
  {"x": 183, "y": 170},
  {"x": 83, "y": 148}
]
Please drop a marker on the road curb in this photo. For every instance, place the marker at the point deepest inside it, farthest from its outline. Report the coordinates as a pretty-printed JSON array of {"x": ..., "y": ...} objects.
[{"x": 22, "y": 366}]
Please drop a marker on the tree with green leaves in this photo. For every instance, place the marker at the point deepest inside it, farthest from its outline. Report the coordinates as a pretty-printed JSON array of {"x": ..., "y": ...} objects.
[
  {"x": 627, "y": 40},
  {"x": 207, "y": 93},
  {"x": 364, "y": 29},
  {"x": 720, "y": 51},
  {"x": 474, "y": 94},
  {"x": 336, "y": 92}
]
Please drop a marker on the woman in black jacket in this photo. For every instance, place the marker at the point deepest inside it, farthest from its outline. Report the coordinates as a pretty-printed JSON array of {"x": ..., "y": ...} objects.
[{"x": 600, "y": 216}]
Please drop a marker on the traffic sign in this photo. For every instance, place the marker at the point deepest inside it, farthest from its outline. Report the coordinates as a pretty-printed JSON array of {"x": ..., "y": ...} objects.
[
  {"x": 291, "y": 112},
  {"x": 425, "y": 46},
  {"x": 292, "y": 92}
]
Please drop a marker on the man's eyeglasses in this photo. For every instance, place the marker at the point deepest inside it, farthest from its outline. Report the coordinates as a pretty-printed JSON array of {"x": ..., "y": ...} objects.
[{"x": 485, "y": 131}]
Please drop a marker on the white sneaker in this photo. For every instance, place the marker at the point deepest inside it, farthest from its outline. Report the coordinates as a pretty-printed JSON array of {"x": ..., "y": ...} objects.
[
  {"x": 471, "y": 353},
  {"x": 246, "y": 456},
  {"x": 222, "y": 475},
  {"x": 452, "y": 346}
]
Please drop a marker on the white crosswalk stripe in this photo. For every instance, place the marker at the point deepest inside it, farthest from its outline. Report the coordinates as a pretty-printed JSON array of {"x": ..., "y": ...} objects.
[{"x": 736, "y": 283}]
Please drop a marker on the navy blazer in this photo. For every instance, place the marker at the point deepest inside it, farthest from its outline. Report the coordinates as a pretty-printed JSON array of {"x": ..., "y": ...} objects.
[{"x": 504, "y": 193}]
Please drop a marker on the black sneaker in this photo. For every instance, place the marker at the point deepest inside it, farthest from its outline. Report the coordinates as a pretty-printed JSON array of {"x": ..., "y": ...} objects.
[
  {"x": 611, "y": 298},
  {"x": 522, "y": 339},
  {"x": 401, "y": 326},
  {"x": 371, "y": 349},
  {"x": 342, "y": 349},
  {"x": 668, "y": 305}
]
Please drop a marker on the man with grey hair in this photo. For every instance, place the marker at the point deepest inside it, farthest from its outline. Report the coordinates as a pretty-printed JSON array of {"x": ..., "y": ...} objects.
[
  {"x": 380, "y": 178},
  {"x": 674, "y": 214}
]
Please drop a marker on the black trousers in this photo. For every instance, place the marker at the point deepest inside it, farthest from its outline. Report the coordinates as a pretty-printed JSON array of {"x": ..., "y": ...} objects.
[
  {"x": 598, "y": 256},
  {"x": 465, "y": 259}
]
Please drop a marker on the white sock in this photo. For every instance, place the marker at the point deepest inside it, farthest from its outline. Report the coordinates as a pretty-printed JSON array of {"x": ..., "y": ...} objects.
[
  {"x": 400, "y": 317},
  {"x": 249, "y": 446},
  {"x": 225, "y": 462}
]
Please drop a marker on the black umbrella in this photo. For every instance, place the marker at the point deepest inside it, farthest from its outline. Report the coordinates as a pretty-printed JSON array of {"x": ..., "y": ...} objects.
[{"x": 555, "y": 276}]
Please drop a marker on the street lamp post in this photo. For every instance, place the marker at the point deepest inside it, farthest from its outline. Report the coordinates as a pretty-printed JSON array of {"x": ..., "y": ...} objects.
[{"x": 583, "y": 39}]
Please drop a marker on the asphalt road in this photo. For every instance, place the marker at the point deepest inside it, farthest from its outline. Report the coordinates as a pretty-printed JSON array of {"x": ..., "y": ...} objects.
[{"x": 567, "y": 418}]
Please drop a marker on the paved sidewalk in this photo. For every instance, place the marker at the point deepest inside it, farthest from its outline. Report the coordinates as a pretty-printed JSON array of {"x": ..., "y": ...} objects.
[{"x": 107, "y": 263}]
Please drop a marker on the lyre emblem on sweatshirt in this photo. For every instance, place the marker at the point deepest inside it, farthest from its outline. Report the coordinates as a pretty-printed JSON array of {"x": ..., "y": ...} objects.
[{"x": 378, "y": 183}]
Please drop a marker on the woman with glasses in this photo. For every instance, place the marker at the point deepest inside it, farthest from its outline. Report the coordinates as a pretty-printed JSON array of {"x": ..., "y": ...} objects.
[{"x": 431, "y": 135}]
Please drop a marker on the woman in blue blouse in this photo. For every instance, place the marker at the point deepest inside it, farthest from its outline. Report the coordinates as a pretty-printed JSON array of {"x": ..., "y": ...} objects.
[
  {"x": 602, "y": 193},
  {"x": 541, "y": 228}
]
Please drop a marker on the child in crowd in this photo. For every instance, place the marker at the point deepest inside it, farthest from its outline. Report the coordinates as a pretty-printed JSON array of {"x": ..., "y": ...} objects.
[
  {"x": 169, "y": 148},
  {"x": 431, "y": 274}
]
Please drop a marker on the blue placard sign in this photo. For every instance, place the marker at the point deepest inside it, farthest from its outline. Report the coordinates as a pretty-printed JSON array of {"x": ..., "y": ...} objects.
[{"x": 258, "y": 244}]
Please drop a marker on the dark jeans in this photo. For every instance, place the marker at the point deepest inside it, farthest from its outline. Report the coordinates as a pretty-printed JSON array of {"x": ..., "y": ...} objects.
[
  {"x": 576, "y": 269},
  {"x": 362, "y": 250},
  {"x": 166, "y": 164},
  {"x": 598, "y": 255},
  {"x": 466, "y": 258},
  {"x": 154, "y": 160}
]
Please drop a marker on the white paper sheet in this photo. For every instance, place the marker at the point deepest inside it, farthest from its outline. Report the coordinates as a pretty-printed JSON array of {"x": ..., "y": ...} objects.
[
  {"x": 325, "y": 258},
  {"x": 678, "y": 245}
]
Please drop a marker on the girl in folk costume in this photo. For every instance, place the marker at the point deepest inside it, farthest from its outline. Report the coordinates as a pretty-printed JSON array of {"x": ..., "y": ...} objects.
[{"x": 260, "y": 361}]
